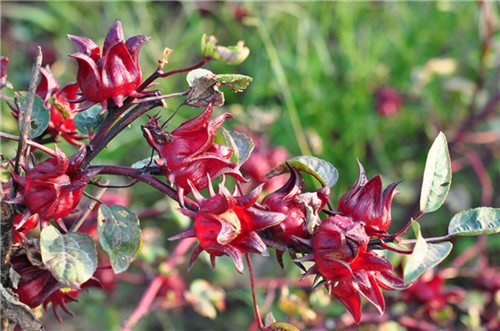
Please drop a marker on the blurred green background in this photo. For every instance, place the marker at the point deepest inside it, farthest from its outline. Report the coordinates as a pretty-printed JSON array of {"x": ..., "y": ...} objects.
[{"x": 316, "y": 68}]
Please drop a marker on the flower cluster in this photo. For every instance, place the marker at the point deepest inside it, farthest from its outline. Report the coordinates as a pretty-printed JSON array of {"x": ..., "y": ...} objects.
[{"x": 344, "y": 263}]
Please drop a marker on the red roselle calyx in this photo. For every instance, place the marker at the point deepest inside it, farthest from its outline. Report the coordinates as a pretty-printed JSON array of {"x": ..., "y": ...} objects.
[
  {"x": 37, "y": 286},
  {"x": 62, "y": 112},
  {"x": 367, "y": 203},
  {"x": 301, "y": 209},
  {"x": 346, "y": 268},
  {"x": 188, "y": 153},
  {"x": 226, "y": 224},
  {"x": 113, "y": 75},
  {"x": 53, "y": 188}
]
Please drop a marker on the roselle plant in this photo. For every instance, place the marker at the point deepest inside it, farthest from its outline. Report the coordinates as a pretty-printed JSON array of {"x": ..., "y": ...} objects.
[{"x": 342, "y": 250}]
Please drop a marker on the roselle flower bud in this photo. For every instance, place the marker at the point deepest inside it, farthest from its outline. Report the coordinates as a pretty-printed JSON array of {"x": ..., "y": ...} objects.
[
  {"x": 301, "y": 210},
  {"x": 188, "y": 153},
  {"x": 346, "y": 268},
  {"x": 365, "y": 202},
  {"x": 226, "y": 224},
  {"x": 113, "y": 75},
  {"x": 62, "y": 112},
  {"x": 37, "y": 286},
  {"x": 21, "y": 226},
  {"x": 53, "y": 188}
]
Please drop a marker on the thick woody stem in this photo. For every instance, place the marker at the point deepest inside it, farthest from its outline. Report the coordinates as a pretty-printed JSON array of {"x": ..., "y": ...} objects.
[{"x": 7, "y": 211}]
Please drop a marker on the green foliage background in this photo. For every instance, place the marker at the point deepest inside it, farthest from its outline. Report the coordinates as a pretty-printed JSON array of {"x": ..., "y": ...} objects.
[{"x": 316, "y": 66}]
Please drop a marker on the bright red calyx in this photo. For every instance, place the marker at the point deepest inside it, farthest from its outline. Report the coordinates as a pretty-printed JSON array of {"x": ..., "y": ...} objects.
[
  {"x": 37, "y": 286},
  {"x": 367, "y": 203},
  {"x": 53, "y": 188},
  {"x": 115, "y": 74},
  {"x": 20, "y": 228},
  {"x": 188, "y": 153},
  {"x": 226, "y": 224},
  {"x": 62, "y": 112},
  {"x": 301, "y": 209}
]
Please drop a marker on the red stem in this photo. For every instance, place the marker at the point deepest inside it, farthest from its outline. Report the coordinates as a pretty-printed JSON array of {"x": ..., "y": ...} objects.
[
  {"x": 254, "y": 295},
  {"x": 152, "y": 181},
  {"x": 29, "y": 142},
  {"x": 146, "y": 301},
  {"x": 178, "y": 71}
]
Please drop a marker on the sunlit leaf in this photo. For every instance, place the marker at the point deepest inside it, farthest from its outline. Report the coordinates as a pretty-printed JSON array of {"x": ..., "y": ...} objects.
[
  {"x": 119, "y": 235},
  {"x": 425, "y": 255},
  {"x": 236, "y": 82},
  {"x": 437, "y": 176},
  {"x": 322, "y": 170},
  {"x": 473, "y": 222},
  {"x": 282, "y": 326},
  {"x": 71, "y": 258},
  {"x": 244, "y": 145}
]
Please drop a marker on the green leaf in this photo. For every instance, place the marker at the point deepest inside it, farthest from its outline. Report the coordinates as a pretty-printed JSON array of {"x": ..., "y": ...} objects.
[
  {"x": 236, "y": 82},
  {"x": 71, "y": 258},
  {"x": 223, "y": 137},
  {"x": 89, "y": 120},
  {"x": 437, "y": 176},
  {"x": 40, "y": 116},
  {"x": 119, "y": 234},
  {"x": 322, "y": 170},
  {"x": 231, "y": 55},
  {"x": 425, "y": 256},
  {"x": 473, "y": 222},
  {"x": 244, "y": 145}
]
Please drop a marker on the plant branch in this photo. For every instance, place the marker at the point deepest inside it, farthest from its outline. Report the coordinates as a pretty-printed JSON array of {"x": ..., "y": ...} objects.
[
  {"x": 254, "y": 295},
  {"x": 8, "y": 213},
  {"x": 428, "y": 240},
  {"x": 131, "y": 116},
  {"x": 29, "y": 142},
  {"x": 25, "y": 119},
  {"x": 152, "y": 181},
  {"x": 88, "y": 209},
  {"x": 178, "y": 71}
]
